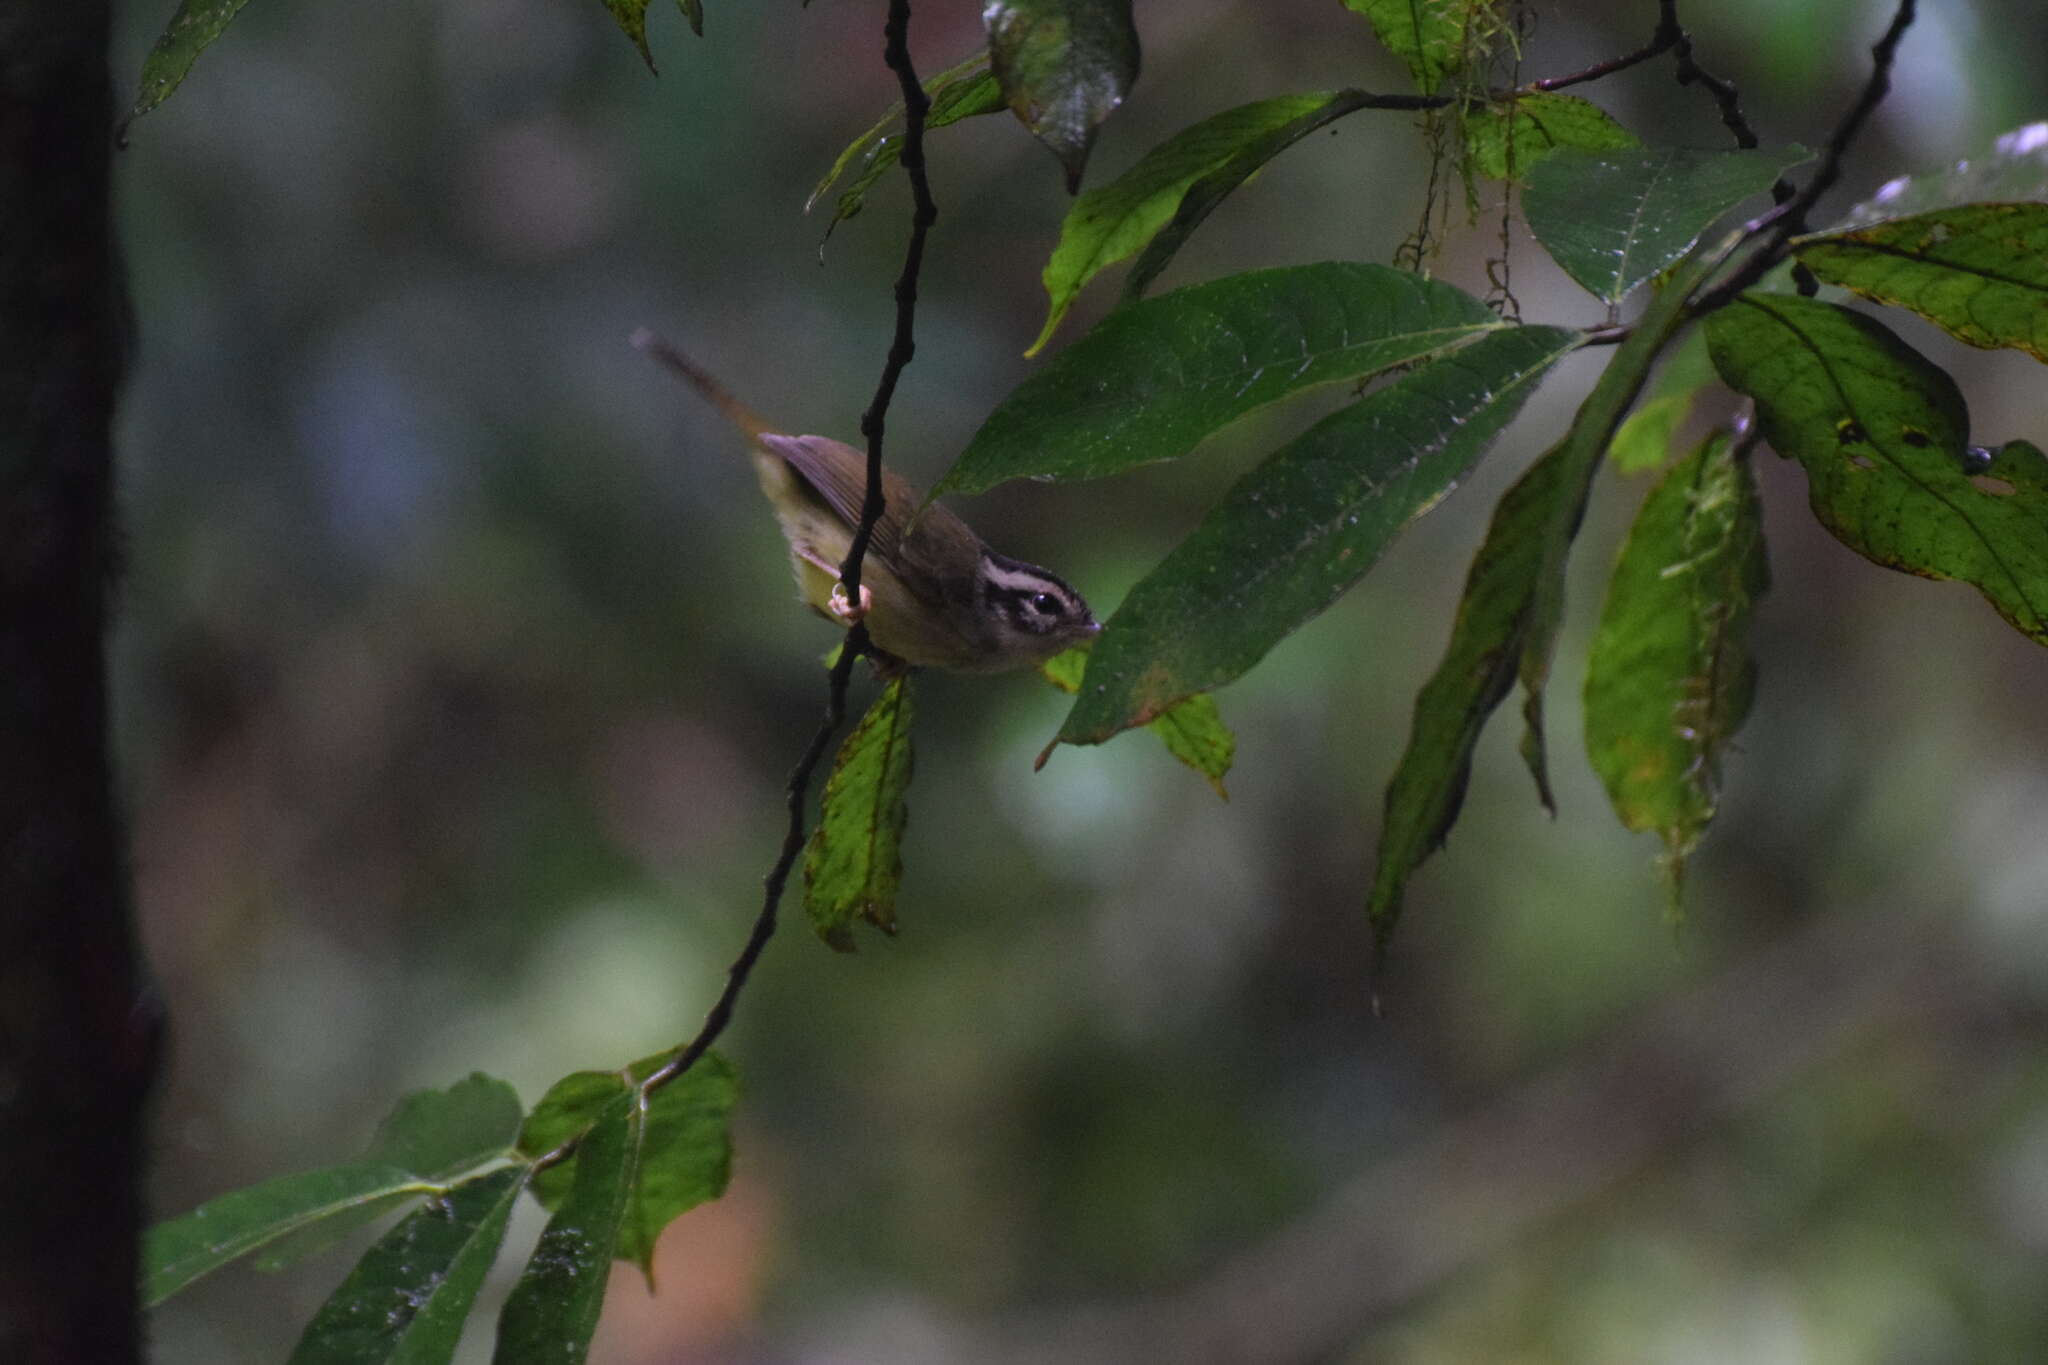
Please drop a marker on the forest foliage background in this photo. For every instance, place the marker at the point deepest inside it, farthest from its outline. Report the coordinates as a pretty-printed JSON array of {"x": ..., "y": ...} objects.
[{"x": 459, "y": 676}]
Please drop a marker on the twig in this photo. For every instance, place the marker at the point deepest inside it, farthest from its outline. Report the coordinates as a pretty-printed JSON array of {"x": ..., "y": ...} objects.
[
  {"x": 896, "y": 52},
  {"x": 1787, "y": 219}
]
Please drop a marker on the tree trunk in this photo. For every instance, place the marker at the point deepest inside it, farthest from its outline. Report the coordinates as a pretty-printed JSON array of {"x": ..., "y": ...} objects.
[{"x": 77, "y": 1027}]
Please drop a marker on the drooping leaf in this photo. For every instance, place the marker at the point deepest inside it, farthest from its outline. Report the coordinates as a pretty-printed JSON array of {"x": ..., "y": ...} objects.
[
  {"x": 1192, "y": 730},
  {"x": 553, "y": 1309},
  {"x": 1064, "y": 66},
  {"x": 1153, "y": 379},
  {"x": 1477, "y": 669},
  {"x": 1204, "y": 195},
  {"x": 1883, "y": 434},
  {"x": 631, "y": 16},
  {"x": 430, "y": 1136},
  {"x": 407, "y": 1299},
  {"x": 693, "y": 11},
  {"x": 685, "y": 1149},
  {"x": 1980, "y": 271},
  {"x": 191, "y": 31},
  {"x": 2014, "y": 171},
  {"x": 179, "y": 1251},
  {"x": 1303, "y": 527},
  {"x": 853, "y": 865},
  {"x": 1670, "y": 675},
  {"x": 1579, "y": 454},
  {"x": 1507, "y": 140},
  {"x": 1113, "y": 222},
  {"x": 1427, "y": 35},
  {"x": 1644, "y": 439},
  {"x": 1614, "y": 219},
  {"x": 434, "y": 1134},
  {"x": 956, "y": 93}
]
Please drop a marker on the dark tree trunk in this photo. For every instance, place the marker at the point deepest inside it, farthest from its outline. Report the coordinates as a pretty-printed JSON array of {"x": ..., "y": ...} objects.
[{"x": 77, "y": 1027}]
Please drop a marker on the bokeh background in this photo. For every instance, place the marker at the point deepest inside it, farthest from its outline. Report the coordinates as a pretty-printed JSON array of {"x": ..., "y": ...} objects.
[{"x": 459, "y": 676}]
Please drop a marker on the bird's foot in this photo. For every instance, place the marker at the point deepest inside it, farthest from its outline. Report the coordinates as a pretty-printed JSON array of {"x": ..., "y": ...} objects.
[{"x": 844, "y": 611}]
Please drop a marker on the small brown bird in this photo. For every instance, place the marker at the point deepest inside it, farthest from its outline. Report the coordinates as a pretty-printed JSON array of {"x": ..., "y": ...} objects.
[{"x": 933, "y": 594}]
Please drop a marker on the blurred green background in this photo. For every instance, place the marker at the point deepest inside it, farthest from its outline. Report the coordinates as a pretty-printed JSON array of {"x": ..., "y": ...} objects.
[{"x": 459, "y": 674}]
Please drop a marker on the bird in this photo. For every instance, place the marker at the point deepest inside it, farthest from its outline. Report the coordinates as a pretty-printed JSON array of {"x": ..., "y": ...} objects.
[{"x": 932, "y": 593}]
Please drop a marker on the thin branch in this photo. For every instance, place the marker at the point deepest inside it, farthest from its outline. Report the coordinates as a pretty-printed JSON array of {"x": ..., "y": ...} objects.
[
  {"x": 1787, "y": 219},
  {"x": 903, "y": 345}
]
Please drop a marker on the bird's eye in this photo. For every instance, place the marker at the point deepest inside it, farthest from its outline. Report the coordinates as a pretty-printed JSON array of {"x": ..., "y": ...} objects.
[{"x": 1045, "y": 604}]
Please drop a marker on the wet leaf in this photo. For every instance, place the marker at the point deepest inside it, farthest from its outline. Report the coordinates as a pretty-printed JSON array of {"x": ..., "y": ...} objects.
[
  {"x": 1882, "y": 433},
  {"x": 1614, "y": 219},
  {"x": 1064, "y": 66},
  {"x": 956, "y": 93},
  {"x": 1155, "y": 378},
  {"x": 1980, "y": 272},
  {"x": 1192, "y": 730},
  {"x": 1507, "y": 140},
  {"x": 685, "y": 1149},
  {"x": 2015, "y": 170},
  {"x": 1670, "y": 676},
  {"x": 406, "y": 1301},
  {"x": 1113, "y": 222},
  {"x": 554, "y": 1306},
  {"x": 1302, "y": 528},
  {"x": 191, "y": 31},
  {"x": 853, "y": 865}
]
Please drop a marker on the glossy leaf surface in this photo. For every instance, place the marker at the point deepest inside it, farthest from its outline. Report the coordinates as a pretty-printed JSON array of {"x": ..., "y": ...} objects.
[
  {"x": 429, "y": 1136},
  {"x": 406, "y": 1300},
  {"x": 1064, "y": 66},
  {"x": 1980, "y": 272},
  {"x": 1427, "y": 35},
  {"x": 1192, "y": 730},
  {"x": 685, "y": 1148},
  {"x": 1882, "y": 434},
  {"x": 853, "y": 865},
  {"x": 1614, "y": 219},
  {"x": 191, "y": 31},
  {"x": 1671, "y": 675},
  {"x": 1303, "y": 527},
  {"x": 956, "y": 93},
  {"x": 1155, "y": 378},
  {"x": 2015, "y": 170},
  {"x": 1508, "y": 139},
  {"x": 1113, "y": 222},
  {"x": 553, "y": 1309}
]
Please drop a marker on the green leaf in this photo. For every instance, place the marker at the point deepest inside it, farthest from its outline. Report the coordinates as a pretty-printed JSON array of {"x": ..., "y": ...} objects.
[
  {"x": 1506, "y": 140},
  {"x": 1427, "y": 35},
  {"x": 192, "y": 30},
  {"x": 553, "y": 1309},
  {"x": 1477, "y": 669},
  {"x": 1204, "y": 195},
  {"x": 632, "y": 20},
  {"x": 1644, "y": 440},
  {"x": 1882, "y": 434},
  {"x": 1113, "y": 222},
  {"x": 693, "y": 11},
  {"x": 1670, "y": 676},
  {"x": 1064, "y": 65},
  {"x": 435, "y": 1134},
  {"x": 177, "y": 1252},
  {"x": 956, "y": 93},
  {"x": 430, "y": 1136},
  {"x": 1592, "y": 431},
  {"x": 1614, "y": 219},
  {"x": 1980, "y": 271},
  {"x": 1192, "y": 730},
  {"x": 1304, "y": 526},
  {"x": 2014, "y": 171},
  {"x": 854, "y": 863},
  {"x": 1153, "y": 379},
  {"x": 439, "y": 1133},
  {"x": 407, "y": 1299},
  {"x": 685, "y": 1151}
]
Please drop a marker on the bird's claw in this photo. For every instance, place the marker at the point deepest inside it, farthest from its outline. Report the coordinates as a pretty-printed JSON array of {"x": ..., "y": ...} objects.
[{"x": 844, "y": 611}]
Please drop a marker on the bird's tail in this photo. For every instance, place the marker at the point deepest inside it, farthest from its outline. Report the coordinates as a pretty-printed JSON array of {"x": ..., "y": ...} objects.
[{"x": 738, "y": 413}]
